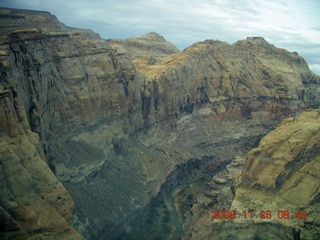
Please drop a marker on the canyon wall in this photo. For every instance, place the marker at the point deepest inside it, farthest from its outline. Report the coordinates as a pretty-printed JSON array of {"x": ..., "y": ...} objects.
[
  {"x": 112, "y": 119},
  {"x": 274, "y": 191}
]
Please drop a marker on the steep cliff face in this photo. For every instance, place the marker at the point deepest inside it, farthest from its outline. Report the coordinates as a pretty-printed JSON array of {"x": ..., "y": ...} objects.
[
  {"x": 34, "y": 204},
  {"x": 112, "y": 119}
]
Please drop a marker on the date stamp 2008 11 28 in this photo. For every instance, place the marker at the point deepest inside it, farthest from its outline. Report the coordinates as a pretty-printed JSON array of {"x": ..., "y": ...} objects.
[{"x": 262, "y": 214}]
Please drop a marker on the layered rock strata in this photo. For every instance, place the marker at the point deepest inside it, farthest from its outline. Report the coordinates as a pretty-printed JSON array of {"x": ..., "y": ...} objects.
[
  {"x": 283, "y": 174},
  {"x": 33, "y": 204},
  {"x": 280, "y": 176},
  {"x": 112, "y": 123}
]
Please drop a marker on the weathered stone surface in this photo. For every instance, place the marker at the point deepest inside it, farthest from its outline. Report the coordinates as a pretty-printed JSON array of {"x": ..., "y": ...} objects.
[
  {"x": 113, "y": 124},
  {"x": 287, "y": 160},
  {"x": 13, "y": 20},
  {"x": 283, "y": 174},
  {"x": 34, "y": 203},
  {"x": 290, "y": 191}
]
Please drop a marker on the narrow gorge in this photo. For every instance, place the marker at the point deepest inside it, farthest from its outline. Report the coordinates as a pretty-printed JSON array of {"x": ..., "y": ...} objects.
[{"x": 135, "y": 139}]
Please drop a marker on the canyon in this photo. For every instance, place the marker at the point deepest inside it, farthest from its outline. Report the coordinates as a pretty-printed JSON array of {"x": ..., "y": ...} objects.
[{"x": 132, "y": 139}]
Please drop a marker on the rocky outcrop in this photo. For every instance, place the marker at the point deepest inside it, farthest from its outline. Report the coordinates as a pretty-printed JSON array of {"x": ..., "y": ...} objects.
[
  {"x": 113, "y": 119},
  {"x": 280, "y": 177},
  {"x": 18, "y": 20},
  {"x": 283, "y": 173},
  {"x": 151, "y": 46},
  {"x": 286, "y": 161}
]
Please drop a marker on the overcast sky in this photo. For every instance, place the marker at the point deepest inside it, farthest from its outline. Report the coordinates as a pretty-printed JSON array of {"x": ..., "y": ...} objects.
[{"x": 290, "y": 24}]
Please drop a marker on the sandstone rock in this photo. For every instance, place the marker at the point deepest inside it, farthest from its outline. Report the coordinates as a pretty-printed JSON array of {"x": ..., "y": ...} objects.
[
  {"x": 282, "y": 173},
  {"x": 16, "y": 19},
  {"x": 294, "y": 145},
  {"x": 34, "y": 203},
  {"x": 287, "y": 159},
  {"x": 151, "y": 45}
]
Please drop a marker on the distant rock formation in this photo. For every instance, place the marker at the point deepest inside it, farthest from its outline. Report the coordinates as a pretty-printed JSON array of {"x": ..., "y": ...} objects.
[
  {"x": 113, "y": 119},
  {"x": 149, "y": 45}
]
